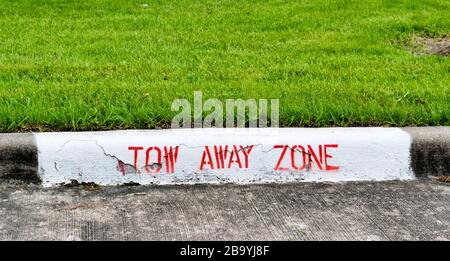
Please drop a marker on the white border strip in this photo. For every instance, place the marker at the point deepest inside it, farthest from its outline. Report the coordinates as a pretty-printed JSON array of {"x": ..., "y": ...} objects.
[{"x": 186, "y": 156}]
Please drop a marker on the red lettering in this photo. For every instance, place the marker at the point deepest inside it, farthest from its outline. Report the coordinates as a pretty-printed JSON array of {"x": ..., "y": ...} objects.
[
  {"x": 203, "y": 162},
  {"x": 280, "y": 159},
  {"x": 171, "y": 157},
  {"x": 221, "y": 156},
  {"x": 136, "y": 150},
  {"x": 234, "y": 154},
  {"x": 313, "y": 155},
  {"x": 246, "y": 152},
  {"x": 121, "y": 166},
  {"x": 327, "y": 156},
  {"x": 293, "y": 150},
  {"x": 157, "y": 163}
]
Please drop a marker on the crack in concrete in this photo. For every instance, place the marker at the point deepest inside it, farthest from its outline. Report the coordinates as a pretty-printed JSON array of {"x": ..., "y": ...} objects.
[{"x": 103, "y": 150}]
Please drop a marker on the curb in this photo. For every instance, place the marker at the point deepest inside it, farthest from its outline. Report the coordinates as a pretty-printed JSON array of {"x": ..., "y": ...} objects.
[
  {"x": 19, "y": 158},
  {"x": 242, "y": 156}
]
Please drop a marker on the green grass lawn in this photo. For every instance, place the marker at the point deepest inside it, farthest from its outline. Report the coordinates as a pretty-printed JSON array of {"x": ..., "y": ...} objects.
[{"x": 91, "y": 65}]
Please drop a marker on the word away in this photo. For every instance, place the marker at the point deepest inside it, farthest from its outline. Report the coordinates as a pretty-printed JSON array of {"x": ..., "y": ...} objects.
[{"x": 223, "y": 157}]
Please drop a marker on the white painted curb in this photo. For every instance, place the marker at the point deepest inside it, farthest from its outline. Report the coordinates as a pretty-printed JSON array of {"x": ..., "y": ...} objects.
[{"x": 187, "y": 156}]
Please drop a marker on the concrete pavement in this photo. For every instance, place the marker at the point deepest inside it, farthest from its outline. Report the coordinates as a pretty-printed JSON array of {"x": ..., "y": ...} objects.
[{"x": 393, "y": 210}]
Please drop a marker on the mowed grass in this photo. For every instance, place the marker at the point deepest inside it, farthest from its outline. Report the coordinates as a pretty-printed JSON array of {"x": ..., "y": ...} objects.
[{"x": 98, "y": 64}]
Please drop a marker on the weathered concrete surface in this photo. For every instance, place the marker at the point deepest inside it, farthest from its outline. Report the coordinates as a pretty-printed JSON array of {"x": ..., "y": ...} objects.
[
  {"x": 397, "y": 210},
  {"x": 19, "y": 157},
  {"x": 430, "y": 150},
  {"x": 224, "y": 155},
  {"x": 105, "y": 158}
]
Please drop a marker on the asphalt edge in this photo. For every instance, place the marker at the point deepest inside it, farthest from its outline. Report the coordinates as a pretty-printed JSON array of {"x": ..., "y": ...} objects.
[
  {"x": 430, "y": 151},
  {"x": 19, "y": 158}
]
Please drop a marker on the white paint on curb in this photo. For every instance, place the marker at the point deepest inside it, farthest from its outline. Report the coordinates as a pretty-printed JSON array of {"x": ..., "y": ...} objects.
[{"x": 186, "y": 156}]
